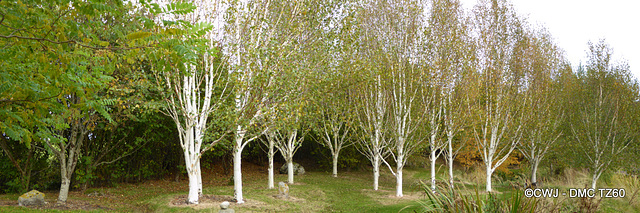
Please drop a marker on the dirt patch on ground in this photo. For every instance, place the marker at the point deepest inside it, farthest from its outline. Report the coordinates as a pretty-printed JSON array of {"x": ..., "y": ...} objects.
[
  {"x": 52, "y": 204},
  {"x": 387, "y": 197},
  {"x": 290, "y": 198},
  {"x": 213, "y": 202}
]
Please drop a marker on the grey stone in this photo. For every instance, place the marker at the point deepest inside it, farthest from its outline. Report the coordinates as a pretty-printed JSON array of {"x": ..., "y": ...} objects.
[
  {"x": 224, "y": 205},
  {"x": 224, "y": 208},
  {"x": 34, "y": 197},
  {"x": 297, "y": 169},
  {"x": 283, "y": 190}
]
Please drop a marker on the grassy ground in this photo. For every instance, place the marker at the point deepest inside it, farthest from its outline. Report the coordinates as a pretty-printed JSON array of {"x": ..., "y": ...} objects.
[{"x": 312, "y": 192}]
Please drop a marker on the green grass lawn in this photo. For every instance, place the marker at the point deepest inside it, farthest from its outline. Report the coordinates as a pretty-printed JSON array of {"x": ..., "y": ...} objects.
[{"x": 312, "y": 192}]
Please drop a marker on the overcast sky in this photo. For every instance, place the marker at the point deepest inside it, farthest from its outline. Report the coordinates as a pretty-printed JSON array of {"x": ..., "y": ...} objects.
[{"x": 575, "y": 22}]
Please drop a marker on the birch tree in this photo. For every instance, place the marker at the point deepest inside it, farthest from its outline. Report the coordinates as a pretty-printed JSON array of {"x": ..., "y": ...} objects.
[
  {"x": 335, "y": 121},
  {"x": 541, "y": 61},
  {"x": 604, "y": 122},
  {"x": 451, "y": 52},
  {"x": 405, "y": 121},
  {"x": 270, "y": 141},
  {"x": 331, "y": 101},
  {"x": 287, "y": 130},
  {"x": 249, "y": 42},
  {"x": 288, "y": 142},
  {"x": 285, "y": 119},
  {"x": 432, "y": 102},
  {"x": 499, "y": 128},
  {"x": 372, "y": 96},
  {"x": 398, "y": 26},
  {"x": 196, "y": 86},
  {"x": 372, "y": 119}
]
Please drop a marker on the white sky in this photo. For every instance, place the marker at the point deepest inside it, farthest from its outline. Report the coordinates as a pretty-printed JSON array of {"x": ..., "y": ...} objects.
[{"x": 575, "y": 22}]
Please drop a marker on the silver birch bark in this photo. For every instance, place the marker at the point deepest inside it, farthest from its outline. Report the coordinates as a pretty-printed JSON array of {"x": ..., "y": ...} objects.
[
  {"x": 335, "y": 119},
  {"x": 401, "y": 62},
  {"x": 241, "y": 43},
  {"x": 432, "y": 102},
  {"x": 600, "y": 136},
  {"x": 404, "y": 120},
  {"x": 190, "y": 109}
]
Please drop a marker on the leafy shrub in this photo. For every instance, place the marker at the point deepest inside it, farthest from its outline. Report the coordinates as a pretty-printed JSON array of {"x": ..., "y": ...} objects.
[
  {"x": 631, "y": 184},
  {"x": 453, "y": 200},
  {"x": 588, "y": 204}
]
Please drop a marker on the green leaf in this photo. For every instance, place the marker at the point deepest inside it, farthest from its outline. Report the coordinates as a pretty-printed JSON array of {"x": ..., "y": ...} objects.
[
  {"x": 180, "y": 8},
  {"x": 138, "y": 35}
]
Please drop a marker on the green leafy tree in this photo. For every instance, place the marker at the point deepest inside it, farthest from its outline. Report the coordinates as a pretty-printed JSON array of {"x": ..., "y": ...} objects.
[
  {"x": 605, "y": 120},
  {"x": 542, "y": 63},
  {"x": 58, "y": 57}
]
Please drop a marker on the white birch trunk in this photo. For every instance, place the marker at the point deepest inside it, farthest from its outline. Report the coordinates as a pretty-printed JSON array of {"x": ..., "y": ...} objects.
[
  {"x": 373, "y": 117},
  {"x": 237, "y": 165},
  {"x": 271, "y": 153},
  {"x": 594, "y": 180},
  {"x": 189, "y": 107},
  {"x": 290, "y": 171},
  {"x": 199, "y": 177},
  {"x": 534, "y": 170},
  {"x": 237, "y": 175},
  {"x": 191, "y": 162},
  {"x": 432, "y": 158},
  {"x": 533, "y": 177},
  {"x": 237, "y": 150},
  {"x": 192, "y": 174},
  {"x": 434, "y": 144},
  {"x": 287, "y": 144},
  {"x": 378, "y": 134},
  {"x": 192, "y": 198},
  {"x": 376, "y": 171},
  {"x": 399, "y": 179},
  {"x": 489, "y": 173},
  {"x": 332, "y": 137}
]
